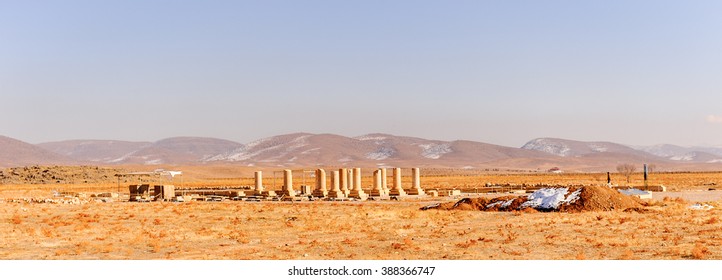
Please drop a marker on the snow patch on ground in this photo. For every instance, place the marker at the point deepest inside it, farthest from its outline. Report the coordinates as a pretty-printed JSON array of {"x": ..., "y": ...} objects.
[
  {"x": 546, "y": 199},
  {"x": 550, "y": 198},
  {"x": 434, "y": 151},
  {"x": 507, "y": 203},
  {"x": 574, "y": 196},
  {"x": 714, "y": 161},
  {"x": 381, "y": 154},
  {"x": 494, "y": 204},
  {"x": 634, "y": 192},
  {"x": 698, "y": 206}
]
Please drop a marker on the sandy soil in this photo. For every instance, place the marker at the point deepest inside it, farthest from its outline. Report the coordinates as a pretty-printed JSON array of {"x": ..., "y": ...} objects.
[
  {"x": 668, "y": 229},
  {"x": 349, "y": 230}
]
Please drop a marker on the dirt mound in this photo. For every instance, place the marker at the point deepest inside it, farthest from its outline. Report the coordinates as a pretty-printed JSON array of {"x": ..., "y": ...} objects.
[
  {"x": 573, "y": 199},
  {"x": 597, "y": 198}
]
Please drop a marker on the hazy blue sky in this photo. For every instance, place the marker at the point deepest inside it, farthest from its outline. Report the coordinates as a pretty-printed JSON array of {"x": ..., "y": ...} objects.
[{"x": 503, "y": 72}]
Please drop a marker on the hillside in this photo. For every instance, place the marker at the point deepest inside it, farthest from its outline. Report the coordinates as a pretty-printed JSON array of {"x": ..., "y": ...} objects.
[
  {"x": 17, "y": 153},
  {"x": 370, "y": 150},
  {"x": 100, "y": 151}
]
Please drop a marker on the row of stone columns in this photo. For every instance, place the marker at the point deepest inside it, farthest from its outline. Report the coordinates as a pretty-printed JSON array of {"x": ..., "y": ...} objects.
[{"x": 346, "y": 183}]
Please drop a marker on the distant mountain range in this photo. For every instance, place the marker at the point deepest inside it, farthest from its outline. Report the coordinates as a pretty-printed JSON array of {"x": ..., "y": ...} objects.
[
  {"x": 371, "y": 150},
  {"x": 678, "y": 153}
]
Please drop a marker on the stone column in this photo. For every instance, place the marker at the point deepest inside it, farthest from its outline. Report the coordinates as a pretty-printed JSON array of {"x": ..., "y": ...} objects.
[
  {"x": 377, "y": 189},
  {"x": 259, "y": 183},
  {"x": 335, "y": 191},
  {"x": 357, "y": 192},
  {"x": 384, "y": 186},
  {"x": 320, "y": 190},
  {"x": 397, "y": 190},
  {"x": 357, "y": 178},
  {"x": 415, "y": 178},
  {"x": 349, "y": 176},
  {"x": 415, "y": 183},
  {"x": 343, "y": 179},
  {"x": 288, "y": 183}
]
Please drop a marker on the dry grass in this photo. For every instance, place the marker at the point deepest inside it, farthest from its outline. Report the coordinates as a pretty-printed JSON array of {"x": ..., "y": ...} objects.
[
  {"x": 354, "y": 230},
  {"x": 371, "y": 230}
]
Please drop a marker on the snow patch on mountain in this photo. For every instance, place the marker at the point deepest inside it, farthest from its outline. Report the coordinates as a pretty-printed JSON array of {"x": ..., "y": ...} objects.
[
  {"x": 123, "y": 158},
  {"x": 547, "y": 146},
  {"x": 381, "y": 154},
  {"x": 680, "y": 153},
  {"x": 370, "y": 137},
  {"x": 235, "y": 155},
  {"x": 378, "y": 140},
  {"x": 299, "y": 142},
  {"x": 314, "y": 150},
  {"x": 597, "y": 148},
  {"x": 685, "y": 157},
  {"x": 268, "y": 144},
  {"x": 435, "y": 151},
  {"x": 665, "y": 151},
  {"x": 154, "y": 162}
]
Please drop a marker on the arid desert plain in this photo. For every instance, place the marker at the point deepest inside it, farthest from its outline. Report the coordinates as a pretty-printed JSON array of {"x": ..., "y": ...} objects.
[{"x": 74, "y": 220}]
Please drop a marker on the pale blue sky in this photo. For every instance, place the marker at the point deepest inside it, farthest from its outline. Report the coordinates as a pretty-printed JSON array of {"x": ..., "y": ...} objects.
[{"x": 502, "y": 72}]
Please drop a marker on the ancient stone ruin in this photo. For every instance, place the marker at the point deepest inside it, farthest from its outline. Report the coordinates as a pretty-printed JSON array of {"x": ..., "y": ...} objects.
[
  {"x": 397, "y": 190},
  {"x": 357, "y": 192},
  {"x": 287, "y": 189},
  {"x": 320, "y": 190},
  {"x": 335, "y": 192}
]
